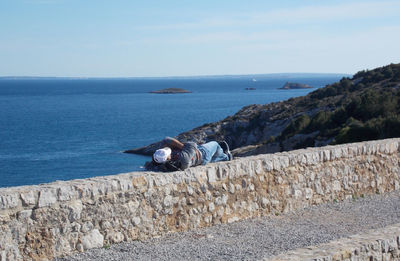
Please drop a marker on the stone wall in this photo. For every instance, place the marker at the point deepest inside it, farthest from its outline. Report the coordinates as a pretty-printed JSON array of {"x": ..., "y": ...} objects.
[
  {"x": 60, "y": 218},
  {"x": 378, "y": 244}
]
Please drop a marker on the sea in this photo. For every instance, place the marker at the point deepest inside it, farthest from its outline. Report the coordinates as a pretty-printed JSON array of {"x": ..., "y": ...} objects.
[{"x": 73, "y": 128}]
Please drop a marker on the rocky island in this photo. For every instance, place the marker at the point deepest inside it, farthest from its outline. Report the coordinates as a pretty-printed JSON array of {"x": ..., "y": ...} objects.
[
  {"x": 171, "y": 90},
  {"x": 293, "y": 85},
  {"x": 364, "y": 107}
]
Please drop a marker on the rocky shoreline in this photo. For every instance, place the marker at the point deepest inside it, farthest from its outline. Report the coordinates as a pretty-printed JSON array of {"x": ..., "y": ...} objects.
[{"x": 244, "y": 130}]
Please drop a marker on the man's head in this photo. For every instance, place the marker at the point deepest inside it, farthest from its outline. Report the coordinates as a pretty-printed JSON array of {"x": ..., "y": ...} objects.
[{"x": 162, "y": 155}]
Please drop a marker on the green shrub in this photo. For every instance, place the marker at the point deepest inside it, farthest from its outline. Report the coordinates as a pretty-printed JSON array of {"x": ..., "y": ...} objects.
[
  {"x": 367, "y": 109},
  {"x": 320, "y": 121},
  {"x": 296, "y": 126}
]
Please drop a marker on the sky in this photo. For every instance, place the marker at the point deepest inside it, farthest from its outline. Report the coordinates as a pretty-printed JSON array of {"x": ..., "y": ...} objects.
[{"x": 113, "y": 38}]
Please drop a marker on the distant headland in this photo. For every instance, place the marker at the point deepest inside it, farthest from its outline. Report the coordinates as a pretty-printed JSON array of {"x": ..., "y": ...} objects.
[
  {"x": 171, "y": 90},
  {"x": 293, "y": 85}
]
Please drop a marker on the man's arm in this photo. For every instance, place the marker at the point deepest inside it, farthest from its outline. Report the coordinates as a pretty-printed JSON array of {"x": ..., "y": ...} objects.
[{"x": 173, "y": 143}]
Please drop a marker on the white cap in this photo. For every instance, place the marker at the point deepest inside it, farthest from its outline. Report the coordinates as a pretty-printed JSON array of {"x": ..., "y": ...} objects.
[{"x": 161, "y": 155}]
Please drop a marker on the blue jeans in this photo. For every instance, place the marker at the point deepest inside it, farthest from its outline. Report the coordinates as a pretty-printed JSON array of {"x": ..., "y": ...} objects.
[{"x": 212, "y": 152}]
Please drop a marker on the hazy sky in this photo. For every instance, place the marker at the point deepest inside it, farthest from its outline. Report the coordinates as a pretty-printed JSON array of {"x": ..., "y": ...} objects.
[{"x": 111, "y": 38}]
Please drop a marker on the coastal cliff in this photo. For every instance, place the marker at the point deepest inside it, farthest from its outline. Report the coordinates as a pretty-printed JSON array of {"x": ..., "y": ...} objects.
[{"x": 364, "y": 107}]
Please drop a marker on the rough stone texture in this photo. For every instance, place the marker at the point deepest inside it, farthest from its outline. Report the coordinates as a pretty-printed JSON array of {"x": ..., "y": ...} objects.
[
  {"x": 379, "y": 244},
  {"x": 93, "y": 239},
  {"x": 263, "y": 237},
  {"x": 45, "y": 221}
]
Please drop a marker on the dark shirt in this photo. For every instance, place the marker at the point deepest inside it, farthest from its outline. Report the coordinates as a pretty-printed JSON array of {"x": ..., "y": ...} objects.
[{"x": 187, "y": 157}]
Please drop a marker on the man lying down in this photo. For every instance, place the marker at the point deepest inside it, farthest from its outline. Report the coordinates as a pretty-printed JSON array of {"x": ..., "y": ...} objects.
[{"x": 176, "y": 155}]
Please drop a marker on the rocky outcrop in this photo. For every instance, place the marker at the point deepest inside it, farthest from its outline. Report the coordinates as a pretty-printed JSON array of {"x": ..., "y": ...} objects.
[
  {"x": 254, "y": 126},
  {"x": 171, "y": 90},
  {"x": 294, "y": 85}
]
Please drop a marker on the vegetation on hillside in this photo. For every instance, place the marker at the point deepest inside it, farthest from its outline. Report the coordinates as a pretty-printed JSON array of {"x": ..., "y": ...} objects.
[{"x": 365, "y": 107}]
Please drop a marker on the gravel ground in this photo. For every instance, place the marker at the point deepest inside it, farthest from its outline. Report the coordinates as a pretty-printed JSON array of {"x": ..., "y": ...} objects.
[{"x": 261, "y": 237}]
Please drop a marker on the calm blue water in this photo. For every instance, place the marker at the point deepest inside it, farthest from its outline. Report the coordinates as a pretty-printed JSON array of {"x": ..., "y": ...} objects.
[{"x": 61, "y": 129}]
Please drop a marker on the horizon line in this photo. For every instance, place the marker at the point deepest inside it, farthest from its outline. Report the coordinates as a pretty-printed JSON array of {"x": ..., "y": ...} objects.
[{"x": 174, "y": 76}]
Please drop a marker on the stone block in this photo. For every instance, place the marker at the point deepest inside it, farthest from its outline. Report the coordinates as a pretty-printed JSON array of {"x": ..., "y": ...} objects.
[
  {"x": 47, "y": 197},
  {"x": 284, "y": 161},
  {"x": 222, "y": 200},
  {"x": 231, "y": 188},
  {"x": 10, "y": 200},
  {"x": 301, "y": 159},
  {"x": 201, "y": 176},
  {"x": 125, "y": 183},
  {"x": 23, "y": 215},
  {"x": 67, "y": 192},
  {"x": 85, "y": 189},
  {"x": 292, "y": 159},
  {"x": 211, "y": 175},
  {"x": 248, "y": 168},
  {"x": 160, "y": 180},
  {"x": 297, "y": 194},
  {"x": 29, "y": 198},
  {"x": 251, "y": 187},
  {"x": 190, "y": 190},
  {"x": 87, "y": 226},
  {"x": 309, "y": 193},
  {"x": 211, "y": 207},
  {"x": 115, "y": 237},
  {"x": 232, "y": 219},
  {"x": 336, "y": 153},
  {"x": 277, "y": 163},
  {"x": 344, "y": 152},
  {"x": 168, "y": 201},
  {"x": 258, "y": 168},
  {"x": 94, "y": 239},
  {"x": 189, "y": 175},
  {"x": 133, "y": 206},
  {"x": 264, "y": 202},
  {"x": 318, "y": 188},
  {"x": 326, "y": 155},
  {"x": 235, "y": 170},
  {"x": 310, "y": 158},
  {"x": 75, "y": 210},
  {"x": 140, "y": 183},
  {"x": 224, "y": 187},
  {"x": 136, "y": 221},
  {"x": 268, "y": 164},
  {"x": 178, "y": 177},
  {"x": 114, "y": 184}
]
